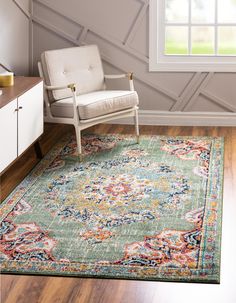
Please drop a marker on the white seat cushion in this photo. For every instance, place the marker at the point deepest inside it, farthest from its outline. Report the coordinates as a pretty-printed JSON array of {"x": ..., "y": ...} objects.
[{"x": 96, "y": 104}]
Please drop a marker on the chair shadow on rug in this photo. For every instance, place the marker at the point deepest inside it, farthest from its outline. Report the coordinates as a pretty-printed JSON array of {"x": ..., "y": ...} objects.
[{"x": 75, "y": 90}]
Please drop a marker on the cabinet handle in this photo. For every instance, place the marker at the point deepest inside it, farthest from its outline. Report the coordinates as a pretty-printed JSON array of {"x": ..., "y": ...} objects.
[{"x": 17, "y": 109}]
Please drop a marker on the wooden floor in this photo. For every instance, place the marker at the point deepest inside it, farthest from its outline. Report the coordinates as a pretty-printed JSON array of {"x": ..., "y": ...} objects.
[{"x": 32, "y": 289}]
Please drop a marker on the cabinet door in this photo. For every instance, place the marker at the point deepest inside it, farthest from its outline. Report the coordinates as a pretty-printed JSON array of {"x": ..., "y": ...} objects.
[
  {"x": 8, "y": 134},
  {"x": 30, "y": 117}
]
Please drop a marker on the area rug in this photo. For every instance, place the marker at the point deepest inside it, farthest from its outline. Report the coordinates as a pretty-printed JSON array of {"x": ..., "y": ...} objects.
[{"x": 150, "y": 211}]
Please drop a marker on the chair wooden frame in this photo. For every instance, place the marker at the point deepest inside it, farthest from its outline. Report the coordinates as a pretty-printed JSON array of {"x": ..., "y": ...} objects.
[{"x": 79, "y": 124}]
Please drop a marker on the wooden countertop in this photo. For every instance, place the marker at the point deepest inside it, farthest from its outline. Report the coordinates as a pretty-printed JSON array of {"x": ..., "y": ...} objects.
[{"x": 21, "y": 85}]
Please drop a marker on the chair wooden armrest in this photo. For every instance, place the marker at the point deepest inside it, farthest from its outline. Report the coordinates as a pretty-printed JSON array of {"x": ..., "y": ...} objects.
[
  {"x": 110, "y": 77},
  {"x": 128, "y": 75},
  {"x": 71, "y": 86}
]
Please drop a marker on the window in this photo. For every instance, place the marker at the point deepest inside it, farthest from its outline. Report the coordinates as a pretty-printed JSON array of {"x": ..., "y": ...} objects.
[{"x": 193, "y": 35}]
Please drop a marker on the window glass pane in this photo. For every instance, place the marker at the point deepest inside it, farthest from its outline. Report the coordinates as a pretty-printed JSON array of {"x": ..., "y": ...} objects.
[
  {"x": 203, "y": 11},
  {"x": 176, "y": 42},
  {"x": 226, "y": 11},
  {"x": 203, "y": 40},
  {"x": 227, "y": 40},
  {"x": 177, "y": 11}
]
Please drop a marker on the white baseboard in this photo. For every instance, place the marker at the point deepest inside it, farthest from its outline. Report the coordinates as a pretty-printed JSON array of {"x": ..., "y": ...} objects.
[{"x": 152, "y": 117}]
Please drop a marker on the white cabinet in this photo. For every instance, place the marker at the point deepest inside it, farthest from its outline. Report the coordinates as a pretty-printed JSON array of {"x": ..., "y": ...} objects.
[
  {"x": 21, "y": 119},
  {"x": 30, "y": 117},
  {"x": 8, "y": 134}
]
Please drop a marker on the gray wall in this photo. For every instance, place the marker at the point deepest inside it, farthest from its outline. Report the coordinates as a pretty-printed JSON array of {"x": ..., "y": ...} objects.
[
  {"x": 120, "y": 29},
  {"x": 14, "y": 35}
]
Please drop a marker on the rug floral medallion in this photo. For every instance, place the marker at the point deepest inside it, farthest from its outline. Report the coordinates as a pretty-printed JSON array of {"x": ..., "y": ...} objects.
[{"x": 149, "y": 211}]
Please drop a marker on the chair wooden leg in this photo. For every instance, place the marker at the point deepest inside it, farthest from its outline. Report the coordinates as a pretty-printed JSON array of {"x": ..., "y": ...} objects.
[
  {"x": 78, "y": 140},
  {"x": 136, "y": 125}
]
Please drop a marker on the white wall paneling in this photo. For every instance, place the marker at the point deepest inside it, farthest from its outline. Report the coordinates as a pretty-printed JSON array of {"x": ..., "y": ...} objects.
[
  {"x": 204, "y": 80},
  {"x": 120, "y": 29},
  {"x": 23, "y": 9}
]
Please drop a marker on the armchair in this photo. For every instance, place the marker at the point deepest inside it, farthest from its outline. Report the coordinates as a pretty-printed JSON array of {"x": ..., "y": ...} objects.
[{"x": 75, "y": 90}]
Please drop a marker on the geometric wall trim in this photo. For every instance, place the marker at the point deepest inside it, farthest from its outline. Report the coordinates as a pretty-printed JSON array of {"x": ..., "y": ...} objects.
[{"x": 186, "y": 92}]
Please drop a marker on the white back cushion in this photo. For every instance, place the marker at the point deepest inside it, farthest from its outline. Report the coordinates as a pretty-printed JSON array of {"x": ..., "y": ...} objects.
[{"x": 80, "y": 65}]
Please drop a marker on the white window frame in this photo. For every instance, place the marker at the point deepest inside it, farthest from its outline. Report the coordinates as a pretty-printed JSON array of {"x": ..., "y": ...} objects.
[{"x": 158, "y": 61}]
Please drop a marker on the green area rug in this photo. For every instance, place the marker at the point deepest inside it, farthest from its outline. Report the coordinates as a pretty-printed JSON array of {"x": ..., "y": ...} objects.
[{"x": 150, "y": 211}]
